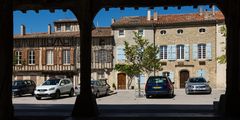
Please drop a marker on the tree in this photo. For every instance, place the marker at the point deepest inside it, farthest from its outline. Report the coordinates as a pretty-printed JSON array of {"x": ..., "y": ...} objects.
[
  {"x": 223, "y": 59},
  {"x": 140, "y": 58}
]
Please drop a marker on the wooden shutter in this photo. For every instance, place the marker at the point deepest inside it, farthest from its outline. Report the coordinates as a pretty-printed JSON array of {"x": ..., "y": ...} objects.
[
  {"x": 25, "y": 56},
  {"x": 60, "y": 56},
  {"x": 195, "y": 51},
  {"x": 186, "y": 52},
  {"x": 55, "y": 54},
  {"x": 43, "y": 56},
  {"x": 36, "y": 56},
  {"x": 72, "y": 56}
]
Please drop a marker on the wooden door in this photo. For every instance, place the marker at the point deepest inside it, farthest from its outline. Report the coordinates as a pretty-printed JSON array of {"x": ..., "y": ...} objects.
[
  {"x": 121, "y": 81},
  {"x": 184, "y": 75}
]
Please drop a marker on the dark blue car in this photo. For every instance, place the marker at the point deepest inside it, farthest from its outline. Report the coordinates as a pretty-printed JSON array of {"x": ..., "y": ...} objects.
[{"x": 159, "y": 86}]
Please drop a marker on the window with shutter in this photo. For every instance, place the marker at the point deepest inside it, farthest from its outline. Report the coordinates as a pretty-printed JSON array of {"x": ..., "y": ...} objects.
[
  {"x": 186, "y": 51},
  {"x": 31, "y": 57},
  {"x": 66, "y": 57},
  {"x": 49, "y": 57},
  {"x": 201, "y": 51},
  {"x": 121, "y": 53},
  {"x": 180, "y": 52},
  {"x": 163, "y": 52}
]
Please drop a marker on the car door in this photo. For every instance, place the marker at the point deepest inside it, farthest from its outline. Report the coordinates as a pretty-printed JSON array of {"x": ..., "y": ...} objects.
[{"x": 62, "y": 86}]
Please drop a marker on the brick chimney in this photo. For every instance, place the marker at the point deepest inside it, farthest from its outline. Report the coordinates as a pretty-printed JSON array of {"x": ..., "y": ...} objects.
[
  {"x": 23, "y": 29},
  {"x": 49, "y": 29},
  {"x": 148, "y": 15},
  {"x": 155, "y": 15}
]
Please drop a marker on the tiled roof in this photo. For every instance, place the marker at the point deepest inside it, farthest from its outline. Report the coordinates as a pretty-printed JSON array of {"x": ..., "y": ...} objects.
[
  {"x": 168, "y": 19},
  {"x": 98, "y": 32}
]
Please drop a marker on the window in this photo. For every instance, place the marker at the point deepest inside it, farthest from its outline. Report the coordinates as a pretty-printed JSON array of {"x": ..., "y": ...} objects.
[
  {"x": 18, "y": 55},
  {"x": 201, "y": 51},
  {"x": 100, "y": 75},
  {"x": 180, "y": 52},
  {"x": 68, "y": 27},
  {"x": 141, "y": 32},
  {"x": 49, "y": 57},
  {"x": 163, "y": 32},
  {"x": 66, "y": 56},
  {"x": 163, "y": 52},
  {"x": 102, "y": 56},
  {"x": 202, "y": 30},
  {"x": 121, "y": 33},
  {"x": 58, "y": 27},
  {"x": 179, "y": 31},
  {"x": 101, "y": 42},
  {"x": 31, "y": 57}
]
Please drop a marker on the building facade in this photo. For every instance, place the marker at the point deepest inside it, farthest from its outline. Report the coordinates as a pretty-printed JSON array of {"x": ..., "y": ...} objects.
[
  {"x": 189, "y": 45},
  {"x": 39, "y": 56}
]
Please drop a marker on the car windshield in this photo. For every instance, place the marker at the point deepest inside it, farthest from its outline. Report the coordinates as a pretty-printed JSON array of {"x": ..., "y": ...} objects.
[
  {"x": 196, "y": 80},
  {"x": 157, "y": 80},
  {"x": 17, "y": 83},
  {"x": 51, "y": 82}
]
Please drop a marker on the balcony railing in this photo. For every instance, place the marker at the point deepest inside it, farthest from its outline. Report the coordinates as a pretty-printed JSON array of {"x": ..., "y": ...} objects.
[{"x": 44, "y": 68}]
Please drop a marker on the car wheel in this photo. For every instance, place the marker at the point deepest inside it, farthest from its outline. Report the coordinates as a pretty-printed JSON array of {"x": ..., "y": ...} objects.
[
  {"x": 38, "y": 98},
  {"x": 186, "y": 91},
  {"x": 97, "y": 94},
  {"x": 71, "y": 93},
  {"x": 57, "y": 94}
]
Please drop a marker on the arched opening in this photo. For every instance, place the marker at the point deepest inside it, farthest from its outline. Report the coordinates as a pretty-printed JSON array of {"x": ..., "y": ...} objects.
[{"x": 184, "y": 75}]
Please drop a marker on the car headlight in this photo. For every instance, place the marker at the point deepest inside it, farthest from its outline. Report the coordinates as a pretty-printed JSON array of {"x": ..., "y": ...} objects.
[{"x": 52, "y": 88}]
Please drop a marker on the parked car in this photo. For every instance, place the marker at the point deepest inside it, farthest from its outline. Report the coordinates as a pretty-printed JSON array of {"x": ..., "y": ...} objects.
[
  {"x": 158, "y": 86},
  {"x": 197, "y": 85},
  {"x": 54, "y": 87},
  {"x": 20, "y": 87},
  {"x": 99, "y": 88}
]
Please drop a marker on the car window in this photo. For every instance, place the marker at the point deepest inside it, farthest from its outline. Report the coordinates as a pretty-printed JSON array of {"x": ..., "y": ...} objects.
[
  {"x": 17, "y": 83},
  {"x": 195, "y": 80},
  {"x": 51, "y": 82},
  {"x": 29, "y": 82},
  {"x": 157, "y": 80}
]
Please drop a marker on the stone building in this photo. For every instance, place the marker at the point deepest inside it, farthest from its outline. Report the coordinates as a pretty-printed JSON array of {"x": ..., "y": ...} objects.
[
  {"x": 189, "y": 45},
  {"x": 38, "y": 56}
]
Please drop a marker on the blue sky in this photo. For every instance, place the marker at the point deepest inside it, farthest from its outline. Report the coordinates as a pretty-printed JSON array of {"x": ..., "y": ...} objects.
[{"x": 37, "y": 22}]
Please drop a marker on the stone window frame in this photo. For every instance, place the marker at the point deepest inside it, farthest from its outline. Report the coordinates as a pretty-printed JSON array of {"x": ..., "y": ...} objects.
[
  {"x": 179, "y": 31},
  {"x": 202, "y": 30},
  {"x": 121, "y": 33},
  {"x": 163, "y": 32}
]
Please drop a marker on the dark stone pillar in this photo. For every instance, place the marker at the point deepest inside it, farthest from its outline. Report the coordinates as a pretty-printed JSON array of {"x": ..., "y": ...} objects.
[
  {"x": 232, "y": 95},
  {"x": 6, "y": 48},
  {"x": 85, "y": 104}
]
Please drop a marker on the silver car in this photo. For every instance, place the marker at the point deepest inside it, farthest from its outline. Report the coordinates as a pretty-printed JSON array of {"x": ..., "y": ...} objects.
[{"x": 197, "y": 85}]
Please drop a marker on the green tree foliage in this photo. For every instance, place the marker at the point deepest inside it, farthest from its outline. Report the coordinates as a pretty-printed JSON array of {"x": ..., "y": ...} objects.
[
  {"x": 140, "y": 58},
  {"x": 223, "y": 58}
]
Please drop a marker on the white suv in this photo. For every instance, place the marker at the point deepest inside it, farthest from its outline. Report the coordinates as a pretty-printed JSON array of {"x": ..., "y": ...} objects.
[{"x": 54, "y": 87}]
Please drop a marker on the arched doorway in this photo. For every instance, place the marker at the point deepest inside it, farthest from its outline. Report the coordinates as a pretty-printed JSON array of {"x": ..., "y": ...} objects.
[
  {"x": 121, "y": 81},
  {"x": 184, "y": 75}
]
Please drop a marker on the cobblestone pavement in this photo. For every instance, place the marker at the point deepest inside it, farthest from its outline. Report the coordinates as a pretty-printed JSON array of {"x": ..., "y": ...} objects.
[{"x": 130, "y": 97}]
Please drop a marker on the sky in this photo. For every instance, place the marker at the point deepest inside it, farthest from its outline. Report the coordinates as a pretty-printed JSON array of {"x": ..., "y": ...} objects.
[{"x": 38, "y": 22}]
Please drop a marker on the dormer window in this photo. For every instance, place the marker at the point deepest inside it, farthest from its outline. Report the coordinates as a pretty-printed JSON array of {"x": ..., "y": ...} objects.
[
  {"x": 68, "y": 27},
  {"x": 179, "y": 31},
  {"x": 58, "y": 27},
  {"x": 121, "y": 33}
]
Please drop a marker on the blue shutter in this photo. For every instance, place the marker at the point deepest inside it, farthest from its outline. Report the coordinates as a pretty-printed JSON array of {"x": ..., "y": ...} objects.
[
  {"x": 209, "y": 51},
  {"x": 142, "y": 78},
  {"x": 121, "y": 53},
  {"x": 174, "y": 55},
  {"x": 169, "y": 52},
  {"x": 186, "y": 52},
  {"x": 171, "y": 76},
  {"x": 195, "y": 52}
]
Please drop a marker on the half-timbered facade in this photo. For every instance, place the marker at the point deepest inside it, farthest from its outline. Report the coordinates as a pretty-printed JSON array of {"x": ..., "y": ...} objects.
[{"x": 38, "y": 56}]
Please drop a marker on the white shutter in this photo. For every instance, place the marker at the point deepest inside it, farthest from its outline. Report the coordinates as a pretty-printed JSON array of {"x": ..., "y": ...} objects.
[
  {"x": 186, "y": 52},
  {"x": 195, "y": 51},
  {"x": 209, "y": 51}
]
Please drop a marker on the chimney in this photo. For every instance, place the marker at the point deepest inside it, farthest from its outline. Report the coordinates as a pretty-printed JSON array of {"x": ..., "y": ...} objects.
[
  {"x": 200, "y": 11},
  {"x": 49, "y": 29},
  {"x": 113, "y": 20},
  {"x": 23, "y": 29},
  {"x": 155, "y": 15},
  {"x": 148, "y": 15},
  {"x": 213, "y": 10}
]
